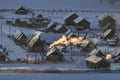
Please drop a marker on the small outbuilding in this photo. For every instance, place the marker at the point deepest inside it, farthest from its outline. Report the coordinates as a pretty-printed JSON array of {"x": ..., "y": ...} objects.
[
  {"x": 60, "y": 28},
  {"x": 51, "y": 26},
  {"x": 97, "y": 62},
  {"x": 69, "y": 19}
]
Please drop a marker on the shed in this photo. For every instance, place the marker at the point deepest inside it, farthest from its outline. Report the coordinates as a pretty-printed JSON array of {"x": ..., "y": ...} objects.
[
  {"x": 108, "y": 34},
  {"x": 96, "y": 62},
  {"x": 35, "y": 44},
  {"x": 21, "y": 10},
  {"x": 69, "y": 19},
  {"x": 82, "y": 23},
  {"x": 96, "y": 52},
  {"x": 19, "y": 37},
  {"x": 54, "y": 55},
  {"x": 104, "y": 19}
]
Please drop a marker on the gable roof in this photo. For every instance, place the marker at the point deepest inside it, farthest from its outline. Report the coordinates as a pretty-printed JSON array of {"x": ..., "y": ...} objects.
[
  {"x": 68, "y": 34},
  {"x": 78, "y": 19},
  {"x": 58, "y": 27},
  {"x": 101, "y": 17},
  {"x": 52, "y": 50},
  {"x": 107, "y": 33},
  {"x": 18, "y": 34},
  {"x": 94, "y": 59},
  {"x": 94, "y": 52},
  {"x": 51, "y": 25},
  {"x": 71, "y": 14}
]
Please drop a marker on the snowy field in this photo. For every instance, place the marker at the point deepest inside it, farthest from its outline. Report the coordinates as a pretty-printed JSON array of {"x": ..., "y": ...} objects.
[{"x": 87, "y": 76}]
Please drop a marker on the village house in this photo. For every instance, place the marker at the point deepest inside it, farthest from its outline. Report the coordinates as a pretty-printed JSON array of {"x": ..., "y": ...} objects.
[
  {"x": 51, "y": 26},
  {"x": 97, "y": 62},
  {"x": 69, "y": 19},
  {"x": 35, "y": 44},
  {"x": 21, "y": 10},
  {"x": 81, "y": 24},
  {"x": 96, "y": 52},
  {"x": 19, "y": 37},
  {"x": 105, "y": 19},
  {"x": 60, "y": 29},
  {"x": 54, "y": 55}
]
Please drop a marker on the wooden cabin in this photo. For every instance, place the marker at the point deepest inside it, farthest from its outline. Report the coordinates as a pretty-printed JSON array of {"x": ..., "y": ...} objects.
[
  {"x": 19, "y": 37},
  {"x": 97, "y": 62},
  {"x": 51, "y": 26},
  {"x": 82, "y": 23},
  {"x": 21, "y": 10},
  {"x": 105, "y": 19},
  {"x": 87, "y": 46},
  {"x": 96, "y": 52},
  {"x": 60, "y": 29},
  {"x": 108, "y": 34},
  {"x": 35, "y": 43},
  {"x": 54, "y": 55},
  {"x": 69, "y": 19}
]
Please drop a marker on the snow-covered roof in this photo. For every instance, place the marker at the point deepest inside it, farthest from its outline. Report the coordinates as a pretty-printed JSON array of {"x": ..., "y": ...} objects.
[
  {"x": 78, "y": 19},
  {"x": 71, "y": 14},
  {"x": 17, "y": 34},
  {"x": 58, "y": 27},
  {"x": 107, "y": 32},
  {"x": 50, "y": 25},
  {"x": 51, "y": 51},
  {"x": 101, "y": 17},
  {"x": 94, "y": 59},
  {"x": 94, "y": 52}
]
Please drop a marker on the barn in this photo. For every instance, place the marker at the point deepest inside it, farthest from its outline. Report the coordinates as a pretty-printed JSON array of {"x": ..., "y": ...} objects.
[
  {"x": 97, "y": 62},
  {"x": 69, "y": 19},
  {"x": 81, "y": 23},
  {"x": 54, "y": 55}
]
